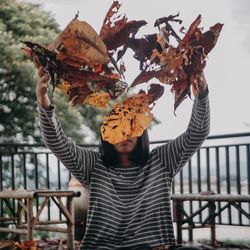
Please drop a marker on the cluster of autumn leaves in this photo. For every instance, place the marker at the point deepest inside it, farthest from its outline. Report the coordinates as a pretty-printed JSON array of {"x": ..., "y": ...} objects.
[{"x": 87, "y": 67}]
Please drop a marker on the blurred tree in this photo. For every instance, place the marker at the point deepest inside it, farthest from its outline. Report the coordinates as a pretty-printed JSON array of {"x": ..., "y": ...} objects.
[{"x": 18, "y": 123}]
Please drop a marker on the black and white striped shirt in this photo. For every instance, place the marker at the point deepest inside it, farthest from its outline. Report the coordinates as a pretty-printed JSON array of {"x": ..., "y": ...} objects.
[{"x": 128, "y": 207}]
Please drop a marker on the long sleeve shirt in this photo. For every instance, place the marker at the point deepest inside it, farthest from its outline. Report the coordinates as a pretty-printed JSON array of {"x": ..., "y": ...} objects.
[{"x": 128, "y": 206}]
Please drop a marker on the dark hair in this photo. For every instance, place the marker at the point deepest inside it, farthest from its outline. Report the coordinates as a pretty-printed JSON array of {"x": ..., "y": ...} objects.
[{"x": 139, "y": 155}]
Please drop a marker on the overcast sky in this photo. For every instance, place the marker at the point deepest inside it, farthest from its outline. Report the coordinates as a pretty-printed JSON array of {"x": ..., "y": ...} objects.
[{"x": 227, "y": 69}]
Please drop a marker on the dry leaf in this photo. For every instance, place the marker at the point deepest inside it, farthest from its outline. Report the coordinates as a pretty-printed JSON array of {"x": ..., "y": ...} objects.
[
  {"x": 116, "y": 30},
  {"x": 98, "y": 100},
  {"x": 128, "y": 119},
  {"x": 178, "y": 65},
  {"x": 81, "y": 65},
  {"x": 79, "y": 44}
]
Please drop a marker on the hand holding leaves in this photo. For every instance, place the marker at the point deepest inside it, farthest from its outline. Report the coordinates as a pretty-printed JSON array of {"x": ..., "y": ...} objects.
[
  {"x": 43, "y": 81},
  {"x": 201, "y": 82}
]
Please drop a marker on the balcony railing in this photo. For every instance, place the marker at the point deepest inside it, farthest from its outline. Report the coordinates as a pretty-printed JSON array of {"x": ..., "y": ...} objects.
[{"x": 222, "y": 165}]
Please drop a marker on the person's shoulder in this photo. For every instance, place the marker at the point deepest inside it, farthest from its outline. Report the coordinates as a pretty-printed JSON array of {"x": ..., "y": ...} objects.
[
  {"x": 90, "y": 151},
  {"x": 156, "y": 150},
  {"x": 161, "y": 147}
]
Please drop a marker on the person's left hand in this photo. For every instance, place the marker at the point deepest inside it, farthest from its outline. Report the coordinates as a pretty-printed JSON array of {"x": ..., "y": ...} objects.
[{"x": 201, "y": 82}]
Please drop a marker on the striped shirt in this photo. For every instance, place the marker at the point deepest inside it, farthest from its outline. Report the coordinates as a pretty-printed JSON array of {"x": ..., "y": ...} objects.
[{"x": 128, "y": 207}]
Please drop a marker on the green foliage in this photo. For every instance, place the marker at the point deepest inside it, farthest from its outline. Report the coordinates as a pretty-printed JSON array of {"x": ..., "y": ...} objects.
[
  {"x": 69, "y": 116},
  {"x": 21, "y": 21},
  {"x": 88, "y": 113}
]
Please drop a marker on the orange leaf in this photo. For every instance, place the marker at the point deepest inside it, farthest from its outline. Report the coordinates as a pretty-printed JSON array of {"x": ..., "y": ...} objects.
[
  {"x": 64, "y": 87},
  {"x": 128, "y": 119},
  {"x": 79, "y": 44},
  {"x": 97, "y": 99}
]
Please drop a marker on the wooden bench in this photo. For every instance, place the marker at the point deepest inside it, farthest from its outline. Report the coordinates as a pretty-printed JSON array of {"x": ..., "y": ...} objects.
[
  {"x": 181, "y": 216},
  {"x": 20, "y": 203}
]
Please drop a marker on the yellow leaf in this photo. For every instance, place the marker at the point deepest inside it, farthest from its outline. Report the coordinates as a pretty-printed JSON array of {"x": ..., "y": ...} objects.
[
  {"x": 98, "y": 99},
  {"x": 63, "y": 87},
  {"x": 128, "y": 119}
]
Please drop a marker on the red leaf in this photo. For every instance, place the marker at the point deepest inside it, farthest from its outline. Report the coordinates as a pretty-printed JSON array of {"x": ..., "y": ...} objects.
[
  {"x": 78, "y": 93},
  {"x": 193, "y": 27},
  {"x": 144, "y": 76},
  {"x": 117, "y": 32},
  {"x": 208, "y": 39},
  {"x": 155, "y": 91},
  {"x": 180, "y": 89},
  {"x": 143, "y": 47}
]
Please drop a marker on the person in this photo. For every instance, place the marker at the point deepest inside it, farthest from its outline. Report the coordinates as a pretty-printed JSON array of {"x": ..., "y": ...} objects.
[{"x": 129, "y": 187}]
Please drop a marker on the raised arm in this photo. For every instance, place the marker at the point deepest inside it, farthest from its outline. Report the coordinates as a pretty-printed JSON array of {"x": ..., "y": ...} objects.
[
  {"x": 175, "y": 154},
  {"x": 78, "y": 161}
]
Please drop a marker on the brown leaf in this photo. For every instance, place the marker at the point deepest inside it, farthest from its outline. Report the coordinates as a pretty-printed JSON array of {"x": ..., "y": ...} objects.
[
  {"x": 155, "y": 91},
  {"x": 118, "y": 36},
  {"x": 82, "y": 62},
  {"x": 181, "y": 90},
  {"x": 193, "y": 27},
  {"x": 168, "y": 27},
  {"x": 208, "y": 39},
  {"x": 142, "y": 47},
  {"x": 79, "y": 44},
  {"x": 144, "y": 76},
  {"x": 165, "y": 76},
  {"x": 170, "y": 58},
  {"x": 122, "y": 68},
  {"x": 116, "y": 32},
  {"x": 78, "y": 93},
  {"x": 107, "y": 22}
]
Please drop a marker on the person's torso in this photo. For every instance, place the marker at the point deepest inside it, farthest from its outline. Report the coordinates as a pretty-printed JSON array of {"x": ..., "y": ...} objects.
[{"x": 129, "y": 206}]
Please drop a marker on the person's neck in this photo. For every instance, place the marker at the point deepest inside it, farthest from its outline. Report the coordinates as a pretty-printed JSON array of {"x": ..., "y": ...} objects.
[{"x": 124, "y": 160}]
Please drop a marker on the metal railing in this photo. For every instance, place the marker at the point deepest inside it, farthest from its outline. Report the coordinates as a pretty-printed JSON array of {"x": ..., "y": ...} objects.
[{"x": 221, "y": 165}]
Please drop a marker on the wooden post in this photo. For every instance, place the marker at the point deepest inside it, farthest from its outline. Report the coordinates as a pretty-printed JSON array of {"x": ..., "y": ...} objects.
[
  {"x": 212, "y": 208},
  {"x": 70, "y": 224},
  {"x": 19, "y": 217},
  {"x": 190, "y": 233},
  {"x": 30, "y": 218},
  {"x": 178, "y": 205}
]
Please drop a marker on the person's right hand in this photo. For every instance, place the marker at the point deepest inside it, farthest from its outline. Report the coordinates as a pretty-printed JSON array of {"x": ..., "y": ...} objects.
[
  {"x": 43, "y": 81},
  {"x": 42, "y": 86}
]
